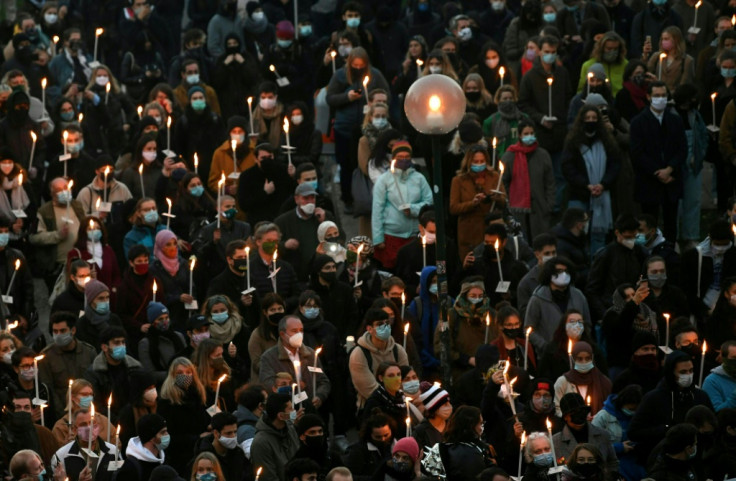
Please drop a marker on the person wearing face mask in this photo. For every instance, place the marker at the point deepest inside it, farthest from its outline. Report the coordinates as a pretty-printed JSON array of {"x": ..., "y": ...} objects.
[
  {"x": 644, "y": 368},
  {"x": 276, "y": 440},
  {"x": 676, "y": 460},
  {"x": 504, "y": 124},
  {"x": 72, "y": 298},
  {"x": 281, "y": 357},
  {"x": 25, "y": 373},
  {"x": 19, "y": 290},
  {"x": 339, "y": 307},
  {"x": 16, "y": 196},
  {"x": 492, "y": 59},
  {"x": 720, "y": 460},
  {"x": 667, "y": 405},
  {"x": 190, "y": 77},
  {"x": 268, "y": 114},
  {"x": 329, "y": 243},
  {"x": 234, "y": 76},
  {"x": 145, "y": 452},
  {"x": 375, "y": 123},
  {"x": 610, "y": 53},
  {"x": 223, "y": 445},
  {"x": 106, "y": 112},
  {"x": 496, "y": 20},
  {"x": 479, "y": 100},
  {"x": 510, "y": 342},
  {"x": 632, "y": 98},
  {"x": 172, "y": 271},
  {"x": 529, "y": 179},
  {"x": 540, "y": 407},
  {"x": 615, "y": 417},
  {"x": 425, "y": 309},
  {"x": 618, "y": 263},
  {"x": 98, "y": 314},
  {"x": 227, "y": 327},
  {"x": 145, "y": 154},
  {"x": 579, "y": 431},
  {"x": 258, "y": 32},
  {"x": 114, "y": 192},
  {"x": 586, "y": 464},
  {"x": 555, "y": 295},
  {"x": 466, "y": 452},
  {"x": 711, "y": 262},
  {"x": 388, "y": 396},
  {"x": 403, "y": 463},
  {"x": 538, "y": 456},
  {"x": 70, "y": 456},
  {"x": 290, "y": 61},
  {"x": 584, "y": 379},
  {"x": 303, "y": 136},
  {"x": 313, "y": 445},
  {"x": 110, "y": 372},
  {"x": 80, "y": 167},
  {"x": 161, "y": 343},
  {"x": 198, "y": 329},
  {"x": 437, "y": 413},
  {"x": 193, "y": 206},
  {"x": 266, "y": 334},
  {"x": 146, "y": 225},
  {"x": 545, "y": 248}
]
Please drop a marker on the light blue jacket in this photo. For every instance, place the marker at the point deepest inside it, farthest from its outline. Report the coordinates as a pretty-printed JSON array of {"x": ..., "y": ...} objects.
[
  {"x": 392, "y": 191},
  {"x": 720, "y": 388}
]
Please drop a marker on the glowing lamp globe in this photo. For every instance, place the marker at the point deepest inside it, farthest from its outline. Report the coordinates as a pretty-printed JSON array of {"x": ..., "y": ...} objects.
[{"x": 435, "y": 104}]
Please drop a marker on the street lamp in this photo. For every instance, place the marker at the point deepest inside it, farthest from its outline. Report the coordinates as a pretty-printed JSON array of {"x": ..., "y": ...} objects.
[{"x": 435, "y": 105}]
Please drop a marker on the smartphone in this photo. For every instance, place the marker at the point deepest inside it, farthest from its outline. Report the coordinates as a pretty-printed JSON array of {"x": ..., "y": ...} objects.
[
  {"x": 648, "y": 39},
  {"x": 643, "y": 281}
]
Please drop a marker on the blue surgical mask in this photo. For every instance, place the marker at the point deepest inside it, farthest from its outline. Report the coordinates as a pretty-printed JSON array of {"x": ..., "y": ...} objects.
[
  {"x": 284, "y": 43},
  {"x": 528, "y": 139},
  {"x": 659, "y": 3},
  {"x": 305, "y": 30},
  {"x": 75, "y": 147},
  {"x": 640, "y": 239},
  {"x": 313, "y": 183},
  {"x": 383, "y": 332},
  {"x": 197, "y": 191},
  {"x": 549, "y": 58},
  {"x": 64, "y": 196},
  {"x": 67, "y": 116},
  {"x": 86, "y": 401},
  {"x": 94, "y": 235},
  {"x": 4, "y": 239},
  {"x": 292, "y": 416},
  {"x": 118, "y": 353},
  {"x": 165, "y": 440},
  {"x": 207, "y": 477},
  {"x": 102, "y": 307},
  {"x": 411, "y": 387},
  {"x": 433, "y": 289},
  {"x": 423, "y": 7},
  {"x": 728, "y": 72},
  {"x": 150, "y": 217},
  {"x": 478, "y": 168},
  {"x": 220, "y": 317},
  {"x": 230, "y": 213},
  {"x": 572, "y": 8},
  {"x": 550, "y": 17},
  {"x": 311, "y": 312},
  {"x": 544, "y": 460},
  {"x": 475, "y": 300},
  {"x": 42, "y": 474},
  {"x": 583, "y": 367},
  {"x": 380, "y": 122},
  {"x": 193, "y": 79},
  {"x": 199, "y": 105},
  {"x": 353, "y": 22}
]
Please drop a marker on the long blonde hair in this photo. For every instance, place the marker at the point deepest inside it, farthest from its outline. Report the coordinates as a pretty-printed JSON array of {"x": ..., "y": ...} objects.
[
  {"x": 485, "y": 96},
  {"x": 216, "y": 468},
  {"x": 173, "y": 393},
  {"x": 114, "y": 85}
]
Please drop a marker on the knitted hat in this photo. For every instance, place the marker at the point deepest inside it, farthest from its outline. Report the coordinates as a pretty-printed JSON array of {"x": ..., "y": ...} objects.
[
  {"x": 470, "y": 131},
  {"x": 598, "y": 71},
  {"x": 408, "y": 446},
  {"x": 251, "y": 7},
  {"x": 595, "y": 99},
  {"x": 541, "y": 384},
  {"x": 237, "y": 121},
  {"x": 155, "y": 310},
  {"x": 308, "y": 421},
  {"x": 149, "y": 425},
  {"x": 284, "y": 30},
  {"x": 93, "y": 289},
  {"x": 643, "y": 338},
  {"x": 193, "y": 90},
  {"x": 433, "y": 396},
  {"x": 571, "y": 402},
  {"x": 401, "y": 146},
  {"x": 104, "y": 160}
]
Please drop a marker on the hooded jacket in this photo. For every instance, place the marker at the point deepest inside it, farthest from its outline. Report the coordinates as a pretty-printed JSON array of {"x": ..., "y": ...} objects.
[
  {"x": 543, "y": 314},
  {"x": 430, "y": 311},
  {"x": 139, "y": 462},
  {"x": 74, "y": 462},
  {"x": 616, "y": 423},
  {"x": 272, "y": 448},
  {"x": 363, "y": 377},
  {"x": 721, "y": 389}
]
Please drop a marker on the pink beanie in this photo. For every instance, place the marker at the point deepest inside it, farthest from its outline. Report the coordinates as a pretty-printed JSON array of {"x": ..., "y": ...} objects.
[{"x": 408, "y": 446}]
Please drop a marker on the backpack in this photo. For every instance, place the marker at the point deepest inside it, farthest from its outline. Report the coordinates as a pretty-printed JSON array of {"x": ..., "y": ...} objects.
[{"x": 369, "y": 358}]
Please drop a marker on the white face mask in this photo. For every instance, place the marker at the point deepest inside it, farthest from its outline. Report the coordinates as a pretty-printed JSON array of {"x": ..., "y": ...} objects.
[
  {"x": 628, "y": 243},
  {"x": 430, "y": 237},
  {"x": 435, "y": 69},
  {"x": 149, "y": 156},
  {"x": 151, "y": 395},
  {"x": 297, "y": 119},
  {"x": 685, "y": 380},
  {"x": 492, "y": 62},
  {"x": 546, "y": 258},
  {"x": 267, "y": 104},
  {"x": 102, "y": 80},
  {"x": 308, "y": 208},
  {"x": 229, "y": 443},
  {"x": 296, "y": 340},
  {"x": 7, "y": 357},
  {"x": 659, "y": 103},
  {"x": 561, "y": 280},
  {"x": 258, "y": 16}
]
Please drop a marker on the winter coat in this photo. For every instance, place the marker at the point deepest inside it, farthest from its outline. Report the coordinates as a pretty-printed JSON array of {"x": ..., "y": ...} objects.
[
  {"x": 363, "y": 375},
  {"x": 185, "y": 421},
  {"x": 616, "y": 423},
  {"x": 543, "y": 314},
  {"x": 387, "y": 218},
  {"x": 104, "y": 384},
  {"x": 276, "y": 360},
  {"x": 721, "y": 389},
  {"x": 613, "y": 266},
  {"x": 349, "y": 114},
  {"x": 60, "y": 366},
  {"x": 272, "y": 448},
  {"x": 565, "y": 443}
]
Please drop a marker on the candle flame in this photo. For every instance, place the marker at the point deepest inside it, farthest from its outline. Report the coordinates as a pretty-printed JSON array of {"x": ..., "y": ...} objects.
[
  {"x": 275, "y": 255},
  {"x": 506, "y": 367},
  {"x": 17, "y": 264},
  {"x": 569, "y": 347},
  {"x": 438, "y": 384},
  {"x": 250, "y": 102},
  {"x": 366, "y": 79},
  {"x": 333, "y": 54},
  {"x": 488, "y": 318},
  {"x": 43, "y": 83},
  {"x": 140, "y": 169},
  {"x": 511, "y": 382},
  {"x": 34, "y": 137},
  {"x": 420, "y": 62},
  {"x": 495, "y": 245},
  {"x": 662, "y": 56},
  {"x": 501, "y": 71},
  {"x": 109, "y": 400},
  {"x": 494, "y": 142},
  {"x": 222, "y": 179},
  {"x": 92, "y": 410},
  {"x": 65, "y": 135},
  {"x": 408, "y": 421},
  {"x": 528, "y": 331},
  {"x": 140, "y": 110},
  {"x": 55, "y": 38},
  {"x": 733, "y": 20},
  {"x": 549, "y": 425},
  {"x": 91, "y": 222},
  {"x": 667, "y": 316},
  {"x": 435, "y": 103},
  {"x": 20, "y": 179},
  {"x": 80, "y": 117},
  {"x": 99, "y": 31},
  {"x": 424, "y": 241},
  {"x": 406, "y": 328},
  {"x": 155, "y": 286},
  {"x": 360, "y": 249},
  {"x": 107, "y": 87},
  {"x": 550, "y": 80},
  {"x": 222, "y": 378},
  {"x": 168, "y": 122},
  {"x": 38, "y": 358},
  {"x": 590, "y": 75},
  {"x": 260, "y": 470},
  {"x": 272, "y": 68},
  {"x": 523, "y": 438},
  {"x": 107, "y": 170},
  {"x": 192, "y": 263},
  {"x": 70, "y": 382},
  {"x": 286, "y": 125},
  {"x": 196, "y": 160},
  {"x": 117, "y": 431},
  {"x": 168, "y": 201},
  {"x": 403, "y": 298},
  {"x": 588, "y": 401},
  {"x": 233, "y": 144},
  {"x": 705, "y": 347},
  {"x": 70, "y": 184},
  {"x": 317, "y": 351},
  {"x": 713, "y": 96},
  {"x": 500, "y": 167},
  {"x": 12, "y": 325},
  {"x": 697, "y": 5}
]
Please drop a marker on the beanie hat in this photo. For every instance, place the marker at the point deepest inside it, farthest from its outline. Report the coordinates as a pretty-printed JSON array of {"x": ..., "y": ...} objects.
[
  {"x": 237, "y": 121},
  {"x": 641, "y": 339},
  {"x": 598, "y": 71},
  {"x": 307, "y": 422},
  {"x": 93, "y": 289},
  {"x": 155, "y": 310},
  {"x": 251, "y": 7},
  {"x": 323, "y": 228},
  {"x": 433, "y": 396},
  {"x": 401, "y": 146},
  {"x": 595, "y": 99},
  {"x": 284, "y": 30},
  {"x": 193, "y": 90},
  {"x": 541, "y": 384},
  {"x": 409, "y": 446},
  {"x": 149, "y": 425},
  {"x": 470, "y": 132}
]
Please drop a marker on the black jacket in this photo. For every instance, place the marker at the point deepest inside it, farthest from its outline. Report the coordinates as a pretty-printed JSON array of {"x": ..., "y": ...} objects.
[
  {"x": 254, "y": 201},
  {"x": 689, "y": 280},
  {"x": 235, "y": 466},
  {"x": 613, "y": 266}
]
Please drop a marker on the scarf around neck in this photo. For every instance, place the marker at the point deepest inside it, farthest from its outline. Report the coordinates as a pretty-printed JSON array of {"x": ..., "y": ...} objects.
[{"x": 520, "y": 194}]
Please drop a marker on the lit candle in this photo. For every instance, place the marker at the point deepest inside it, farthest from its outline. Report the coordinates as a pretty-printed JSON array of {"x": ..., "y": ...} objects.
[
  {"x": 587, "y": 401},
  {"x": 288, "y": 143},
  {"x": 35, "y": 375},
  {"x": 168, "y": 133},
  {"x": 501, "y": 73},
  {"x": 662, "y": 56},
  {"x": 407, "y": 401},
  {"x": 494, "y": 142},
  {"x": 104, "y": 189},
  {"x": 65, "y": 135},
  {"x": 366, "y": 79},
  {"x": 713, "y": 103},
  {"x": 498, "y": 259},
  {"x": 526, "y": 347},
  {"x": 196, "y": 163},
  {"x": 220, "y": 185},
  {"x": 191, "y": 275},
  {"x": 408, "y": 427},
  {"x": 233, "y": 146},
  {"x": 12, "y": 277},
  {"x": 357, "y": 264},
  {"x": 403, "y": 305},
  {"x": 419, "y": 67},
  {"x": 44, "y": 82},
  {"x": 258, "y": 473},
  {"x": 54, "y": 41},
  {"x": 98, "y": 32},
  {"x": 217, "y": 391},
  {"x": 109, "y": 404},
  {"x": 250, "y": 114},
  {"x": 107, "y": 92},
  {"x": 68, "y": 202},
  {"x": 424, "y": 251},
  {"x": 512, "y": 403},
  {"x": 80, "y": 117},
  {"x": 695, "y": 18},
  {"x": 569, "y": 352},
  {"x": 91, "y": 426},
  {"x": 550, "y": 80},
  {"x": 488, "y": 326},
  {"x": 275, "y": 72},
  {"x": 168, "y": 215},
  {"x": 155, "y": 288},
  {"x": 69, "y": 402},
  {"x": 406, "y": 334},
  {"x": 140, "y": 174},
  {"x": 34, "y": 138},
  {"x": 498, "y": 185},
  {"x": 43, "y": 423},
  {"x": 590, "y": 76},
  {"x": 140, "y": 112},
  {"x": 702, "y": 364},
  {"x": 521, "y": 453},
  {"x": 549, "y": 430},
  {"x": 333, "y": 54},
  {"x": 667, "y": 331},
  {"x": 298, "y": 377},
  {"x": 273, "y": 277},
  {"x": 314, "y": 373},
  {"x": 247, "y": 257}
]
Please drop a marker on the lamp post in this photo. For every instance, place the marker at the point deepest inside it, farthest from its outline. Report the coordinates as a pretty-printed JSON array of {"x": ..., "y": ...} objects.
[{"x": 435, "y": 105}]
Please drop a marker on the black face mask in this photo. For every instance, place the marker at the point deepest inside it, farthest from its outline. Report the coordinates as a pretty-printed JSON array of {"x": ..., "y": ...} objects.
[
  {"x": 587, "y": 470},
  {"x": 396, "y": 301},
  {"x": 274, "y": 318},
  {"x": 691, "y": 349},
  {"x": 590, "y": 127},
  {"x": 514, "y": 333},
  {"x": 75, "y": 45},
  {"x": 328, "y": 277},
  {"x": 18, "y": 115},
  {"x": 579, "y": 417},
  {"x": 489, "y": 252},
  {"x": 357, "y": 73},
  {"x": 240, "y": 265},
  {"x": 24, "y": 54},
  {"x": 472, "y": 96},
  {"x": 314, "y": 442},
  {"x": 232, "y": 50},
  {"x": 506, "y": 107},
  {"x": 332, "y": 239}
]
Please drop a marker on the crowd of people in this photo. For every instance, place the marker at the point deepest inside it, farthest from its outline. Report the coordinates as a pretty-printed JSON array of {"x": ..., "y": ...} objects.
[{"x": 225, "y": 306}]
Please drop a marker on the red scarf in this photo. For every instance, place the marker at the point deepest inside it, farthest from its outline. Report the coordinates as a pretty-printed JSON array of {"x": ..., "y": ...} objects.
[
  {"x": 638, "y": 95},
  {"x": 520, "y": 193}
]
